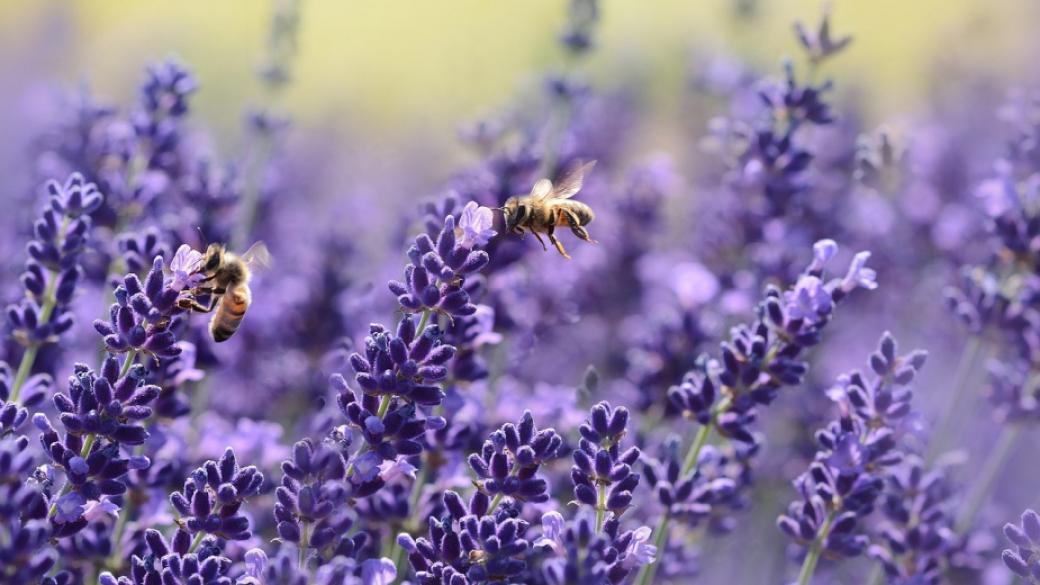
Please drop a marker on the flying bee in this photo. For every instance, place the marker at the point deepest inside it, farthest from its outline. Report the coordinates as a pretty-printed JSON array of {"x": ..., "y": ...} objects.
[
  {"x": 226, "y": 282},
  {"x": 549, "y": 206}
]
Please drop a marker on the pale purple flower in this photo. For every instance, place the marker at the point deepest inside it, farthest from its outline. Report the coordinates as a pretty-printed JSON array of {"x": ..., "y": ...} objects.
[
  {"x": 392, "y": 471},
  {"x": 97, "y": 509},
  {"x": 552, "y": 532},
  {"x": 859, "y": 275},
  {"x": 256, "y": 563},
  {"x": 809, "y": 300},
  {"x": 184, "y": 267},
  {"x": 474, "y": 228},
  {"x": 640, "y": 552},
  {"x": 70, "y": 507},
  {"x": 367, "y": 466},
  {"x": 823, "y": 251},
  {"x": 378, "y": 572}
]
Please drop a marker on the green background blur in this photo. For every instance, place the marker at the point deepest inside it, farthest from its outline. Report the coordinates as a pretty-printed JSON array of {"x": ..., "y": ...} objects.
[{"x": 395, "y": 69}]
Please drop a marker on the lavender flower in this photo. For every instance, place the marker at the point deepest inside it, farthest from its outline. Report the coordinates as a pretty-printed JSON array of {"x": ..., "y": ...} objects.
[
  {"x": 408, "y": 364},
  {"x": 99, "y": 413},
  {"x": 1024, "y": 559},
  {"x": 819, "y": 44},
  {"x": 211, "y": 499},
  {"x": 469, "y": 545},
  {"x": 582, "y": 554},
  {"x": 24, "y": 531},
  {"x": 141, "y": 317},
  {"x": 602, "y": 473},
  {"x": 175, "y": 562},
  {"x": 52, "y": 270},
  {"x": 137, "y": 250},
  {"x": 508, "y": 462},
  {"x": 435, "y": 277},
  {"x": 847, "y": 475},
  {"x": 917, "y": 532},
  {"x": 311, "y": 500}
]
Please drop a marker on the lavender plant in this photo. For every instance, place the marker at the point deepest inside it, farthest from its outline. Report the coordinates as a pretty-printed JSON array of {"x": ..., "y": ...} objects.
[{"x": 343, "y": 436}]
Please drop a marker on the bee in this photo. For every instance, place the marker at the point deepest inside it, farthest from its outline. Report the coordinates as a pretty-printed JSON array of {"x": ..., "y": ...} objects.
[
  {"x": 549, "y": 206},
  {"x": 226, "y": 282}
]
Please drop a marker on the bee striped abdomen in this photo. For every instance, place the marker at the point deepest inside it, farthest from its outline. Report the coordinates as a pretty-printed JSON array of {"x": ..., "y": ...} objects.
[
  {"x": 571, "y": 213},
  {"x": 230, "y": 312}
]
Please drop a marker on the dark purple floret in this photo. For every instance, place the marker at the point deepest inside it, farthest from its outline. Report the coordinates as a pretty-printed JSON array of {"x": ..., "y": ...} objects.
[
  {"x": 435, "y": 279},
  {"x": 176, "y": 562},
  {"x": 469, "y": 545},
  {"x": 24, "y": 530},
  {"x": 52, "y": 270},
  {"x": 856, "y": 455},
  {"x": 818, "y": 43},
  {"x": 602, "y": 474},
  {"x": 408, "y": 364},
  {"x": 508, "y": 463},
  {"x": 917, "y": 532},
  {"x": 141, "y": 319},
  {"x": 1024, "y": 558},
  {"x": 211, "y": 500},
  {"x": 311, "y": 507}
]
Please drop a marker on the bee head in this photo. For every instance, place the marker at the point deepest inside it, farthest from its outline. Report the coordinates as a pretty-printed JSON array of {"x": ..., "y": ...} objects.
[
  {"x": 214, "y": 257},
  {"x": 514, "y": 213}
]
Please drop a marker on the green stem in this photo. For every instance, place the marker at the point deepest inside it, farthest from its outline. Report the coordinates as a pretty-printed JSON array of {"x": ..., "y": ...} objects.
[
  {"x": 50, "y": 302},
  {"x": 494, "y": 503},
  {"x": 646, "y": 574},
  {"x": 424, "y": 320},
  {"x": 601, "y": 506},
  {"x": 812, "y": 558},
  {"x": 998, "y": 457},
  {"x": 961, "y": 381},
  {"x": 305, "y": 542},
  {"x": 28, "y": 359},
  {"x": 130, "y": 357}
]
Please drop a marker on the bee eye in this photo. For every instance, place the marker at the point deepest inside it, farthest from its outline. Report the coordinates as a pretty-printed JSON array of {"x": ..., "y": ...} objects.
[{"x": 521, "y": 212}]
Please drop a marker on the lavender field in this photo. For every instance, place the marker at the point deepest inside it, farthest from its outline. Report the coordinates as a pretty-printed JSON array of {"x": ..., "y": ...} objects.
[{"x": 529, "y": 315}]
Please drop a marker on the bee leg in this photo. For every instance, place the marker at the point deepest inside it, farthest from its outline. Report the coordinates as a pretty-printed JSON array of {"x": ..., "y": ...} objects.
[
  {"x": 541, "y": 241},
  {"x": 556, "y": 242},
  {"x": 559, "y": 247},
  {"x": 193, "y": 305},
  {"x": 577, "y": 228}
]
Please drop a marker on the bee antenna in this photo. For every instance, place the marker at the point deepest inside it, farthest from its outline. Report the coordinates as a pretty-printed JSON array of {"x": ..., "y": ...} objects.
[{"x": 202, "y": 236}]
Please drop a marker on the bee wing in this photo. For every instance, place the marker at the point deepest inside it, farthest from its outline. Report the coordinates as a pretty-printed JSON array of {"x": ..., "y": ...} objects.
[
  {"x": 571, "y": 183},
  {"x": 257, "y": 257},
  {"x": 542, "y": 189}
]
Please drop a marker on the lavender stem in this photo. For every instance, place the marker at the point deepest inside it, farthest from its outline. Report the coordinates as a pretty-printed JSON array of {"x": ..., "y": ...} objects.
[
  {"x": 813, "y": 557},
  {"x": 995, "y": 462},
  {"x": 961, "y": 381}
]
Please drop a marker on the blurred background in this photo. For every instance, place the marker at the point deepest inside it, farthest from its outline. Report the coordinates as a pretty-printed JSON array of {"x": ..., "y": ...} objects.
[
  {"x": 390, "y": 104},
  {"x": 408, "y": 74}
]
